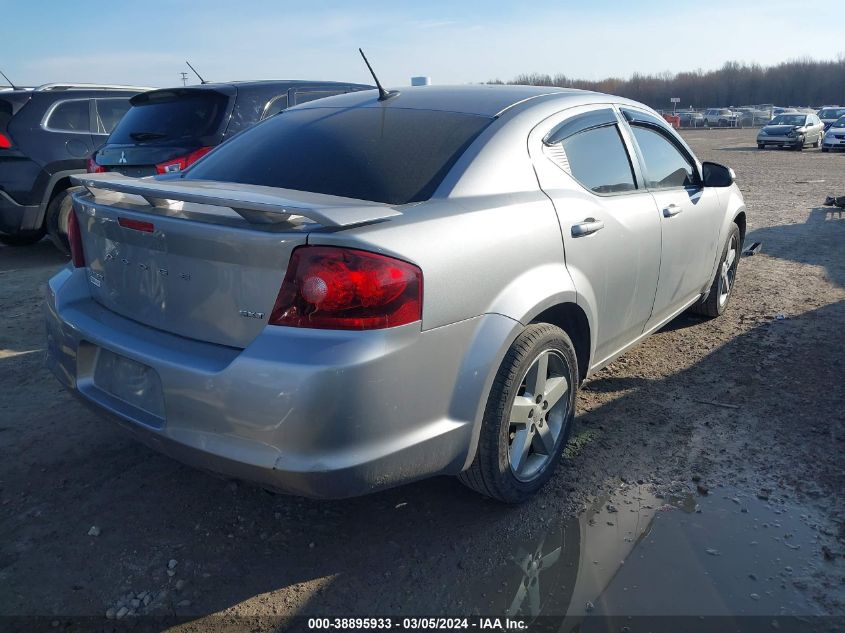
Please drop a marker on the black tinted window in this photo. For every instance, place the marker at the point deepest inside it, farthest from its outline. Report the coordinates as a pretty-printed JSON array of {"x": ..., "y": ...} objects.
[
  {"x": 390, "y": 155},
  {"x": 109, "y": 112},
  {"x": 70, "y": 116},
  {"x": 165, "y": 116},
  {"x": 666, "y": 167},
  {"x": 598, "y": 160},
  {"x": 276, "y": 105}
]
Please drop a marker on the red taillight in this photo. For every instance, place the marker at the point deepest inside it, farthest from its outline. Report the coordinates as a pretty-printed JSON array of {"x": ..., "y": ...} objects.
[
  {"x": 182, "y": 162},
  {"x": 329, "y": 287},
  {"x": 74, "y": 238},
  {"x": 94, "y": 168},
  {"x": 136, "y": 225},
  {"x": 5, "y": 141}
]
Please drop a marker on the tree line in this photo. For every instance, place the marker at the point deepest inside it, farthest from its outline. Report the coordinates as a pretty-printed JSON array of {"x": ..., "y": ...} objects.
[{"x": 800, "y": 82}]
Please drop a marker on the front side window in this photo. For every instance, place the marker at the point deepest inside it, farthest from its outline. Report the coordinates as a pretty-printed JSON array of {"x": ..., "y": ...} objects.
[
  {"x": 70, "y": 116},
  {"x": 666, "y": 167}
]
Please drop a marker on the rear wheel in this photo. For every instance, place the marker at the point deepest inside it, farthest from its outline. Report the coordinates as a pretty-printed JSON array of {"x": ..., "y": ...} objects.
[
  {"x": 58, "y": 212},
  {"x": 22, "y": 239},
  {"x": 723, "y": 284},
  {"x": 528, "y": 416},
  {"x": 818, "y": 142}
]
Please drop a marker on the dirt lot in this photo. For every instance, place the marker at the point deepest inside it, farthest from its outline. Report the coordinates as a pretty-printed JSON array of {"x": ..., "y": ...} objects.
[{"x": 647, "y": 446}]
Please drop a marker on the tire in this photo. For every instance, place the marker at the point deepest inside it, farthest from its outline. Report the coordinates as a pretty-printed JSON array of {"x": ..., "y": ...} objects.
[
  {"x": 818, "y": 142},
  {"x": 493, "y": 472},
  {"x": 22, "y": 239},
  {"x": 760, "y": 146},
  {"x": 56, "y": 217},
  {"x": 716, "y": 301},
  {"x": 799, "y": 147},
  {"x": 825, "y": 150}
]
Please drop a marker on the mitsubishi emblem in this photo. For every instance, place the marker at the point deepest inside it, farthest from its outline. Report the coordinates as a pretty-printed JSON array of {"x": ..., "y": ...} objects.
[{"x": 122, "y": 160}]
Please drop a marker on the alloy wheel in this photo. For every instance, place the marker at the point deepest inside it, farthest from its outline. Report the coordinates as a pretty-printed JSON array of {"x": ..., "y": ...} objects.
[
  {"x": 539, "y": 412},
  {"x": 728, "y": 271}
]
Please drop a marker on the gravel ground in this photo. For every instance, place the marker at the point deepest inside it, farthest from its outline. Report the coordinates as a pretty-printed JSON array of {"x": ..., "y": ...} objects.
[{"x": 93, "y": 523}]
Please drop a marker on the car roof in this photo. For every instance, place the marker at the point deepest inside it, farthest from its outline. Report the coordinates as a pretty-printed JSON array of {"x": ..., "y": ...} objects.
[
  {"x": 480, "y": 99},
  {"x": 258, "y": 83}
]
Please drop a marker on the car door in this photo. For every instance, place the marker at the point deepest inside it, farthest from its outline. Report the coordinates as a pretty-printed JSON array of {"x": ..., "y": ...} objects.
[
  {"x": 690, "y": 215},
  {"x": 68, "y": 121},
  {"x": 609, "y": 223}
]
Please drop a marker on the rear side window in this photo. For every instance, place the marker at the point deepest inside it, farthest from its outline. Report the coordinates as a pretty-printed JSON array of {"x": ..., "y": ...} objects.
[
  {"x": 166, "y": 116},
  {"x": 598, "y": 160},
  {"x": 665, "y": 165},
  {"x": 109, "y": 112},
  {"x": 383, "y": 154},
  {"x": 70, "y": 116},
  {"x": 304, "y": 96},
  {"x": 275, "y": 105},
  {"x": 589, "y": 148}
]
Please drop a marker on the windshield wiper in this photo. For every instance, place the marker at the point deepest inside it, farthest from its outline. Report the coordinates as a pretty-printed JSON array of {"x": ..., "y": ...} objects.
[{"x": 145, "y": 136}]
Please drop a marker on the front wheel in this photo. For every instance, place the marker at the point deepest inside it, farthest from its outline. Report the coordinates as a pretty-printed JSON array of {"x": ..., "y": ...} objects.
[
  {"x": 723, "y": 284},
  {"x": 760, "y": 146},
  {"x": 528, "y": 416}
]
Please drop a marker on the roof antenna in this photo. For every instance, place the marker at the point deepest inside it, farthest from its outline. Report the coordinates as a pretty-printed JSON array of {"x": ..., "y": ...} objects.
[
  {"x": 14, "y": 87},
  {"x": 202, "y": 81},
  {"x": 383, "y": 95}
]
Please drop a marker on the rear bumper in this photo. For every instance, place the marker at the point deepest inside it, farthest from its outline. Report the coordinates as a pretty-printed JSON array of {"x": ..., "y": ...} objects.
[
  {"x": 318, "y": 413},
  {"x": 18, "y": 218}
]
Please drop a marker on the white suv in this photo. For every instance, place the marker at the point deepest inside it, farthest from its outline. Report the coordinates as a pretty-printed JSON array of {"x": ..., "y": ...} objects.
[{"x": 721, "y": 117}]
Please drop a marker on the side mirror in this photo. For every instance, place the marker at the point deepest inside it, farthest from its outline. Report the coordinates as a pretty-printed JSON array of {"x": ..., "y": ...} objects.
[{"x": 716, "y": 175}]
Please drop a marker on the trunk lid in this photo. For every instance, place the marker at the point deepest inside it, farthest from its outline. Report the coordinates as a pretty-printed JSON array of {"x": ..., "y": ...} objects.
[
  {"x": 139, "y": 160},
  {"x": 178, "y": 257}
]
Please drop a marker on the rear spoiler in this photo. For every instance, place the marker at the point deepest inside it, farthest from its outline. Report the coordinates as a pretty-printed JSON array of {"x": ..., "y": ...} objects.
[{"x": 255, "y": 203}]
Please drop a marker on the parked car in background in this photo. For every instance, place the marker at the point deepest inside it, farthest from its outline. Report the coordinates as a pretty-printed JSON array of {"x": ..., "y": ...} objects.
[
  {"x": 778, "y": 111},
  {"x": 752, "y": 116},
  {"x": 46, "y": 135},
  {"x": 691, "y": 118},
  {"x": 830, "y": 115},
  {"x": 379, "y": 287},
  {"x": 168, "y": 130},
  {"x": 792, "y": 130},
  {"x": 721, "y": 117},
  {"x": 834, "y": 137}
]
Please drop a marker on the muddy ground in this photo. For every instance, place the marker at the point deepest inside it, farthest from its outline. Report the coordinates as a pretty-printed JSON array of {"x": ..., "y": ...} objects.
[{"x": 647, "y": 445}]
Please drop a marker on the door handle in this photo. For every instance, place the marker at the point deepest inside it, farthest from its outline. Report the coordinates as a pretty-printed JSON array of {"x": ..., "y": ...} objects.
[
  {"x": 587, "y": 227},
  {"x": 671, "y": 210}
]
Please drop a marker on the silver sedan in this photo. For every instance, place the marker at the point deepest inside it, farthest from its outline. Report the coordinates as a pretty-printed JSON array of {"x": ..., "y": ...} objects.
[
  {"x": 792, "y": 130},
  {"x": 370, "y": 289}
]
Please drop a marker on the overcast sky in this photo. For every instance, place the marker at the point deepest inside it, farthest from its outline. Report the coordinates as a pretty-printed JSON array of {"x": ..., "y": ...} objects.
[{"x": 147, "y": 41}]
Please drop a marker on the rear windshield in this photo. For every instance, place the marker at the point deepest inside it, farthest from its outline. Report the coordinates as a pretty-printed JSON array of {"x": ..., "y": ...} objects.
[
  {"x": 169, "y": 116},
  {"x": 389, "y": 155}
]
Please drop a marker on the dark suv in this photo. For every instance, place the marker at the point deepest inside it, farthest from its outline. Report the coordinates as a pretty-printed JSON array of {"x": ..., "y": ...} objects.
[
  {"x": 47, "y": 134},
  {"x": 167, "y": 130}
]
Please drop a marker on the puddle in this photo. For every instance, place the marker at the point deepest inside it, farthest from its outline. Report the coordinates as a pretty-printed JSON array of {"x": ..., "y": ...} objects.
[{"x": 633, "y": 554}]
